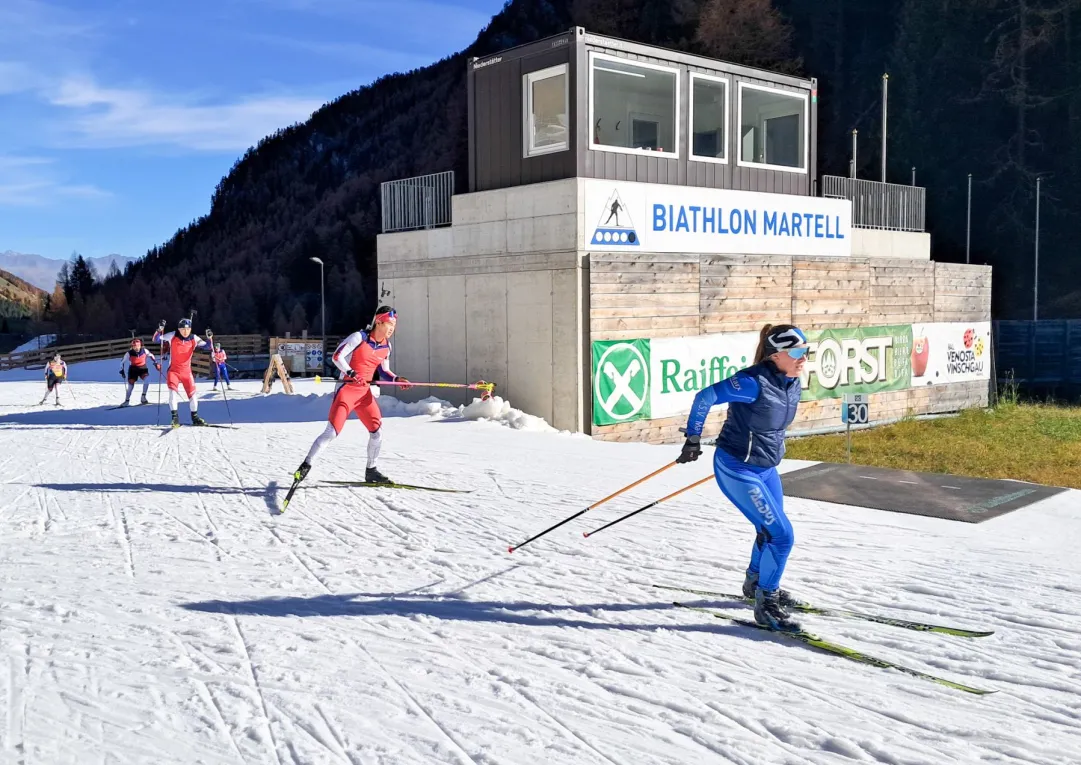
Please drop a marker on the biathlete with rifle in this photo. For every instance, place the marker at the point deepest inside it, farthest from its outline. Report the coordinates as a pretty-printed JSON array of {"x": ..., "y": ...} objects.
[
  {"x": 182, "y": 346},
  {"x": 362, "y": 358}
]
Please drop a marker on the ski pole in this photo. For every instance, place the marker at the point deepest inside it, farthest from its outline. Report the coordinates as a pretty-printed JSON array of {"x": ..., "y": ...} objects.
[
  {"x": 487, "y": 387},
  {"x": 226, "y": 398},
  {"x": 595, "y": 504},
  {"x": 651, "y": 504},
  {"x": 161, "y": 355}
]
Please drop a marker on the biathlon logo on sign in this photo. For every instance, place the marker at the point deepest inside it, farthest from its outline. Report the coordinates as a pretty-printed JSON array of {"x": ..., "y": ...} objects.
[
  {"x": 620, "y": 381},
  {"x": 615, "y": 226}
]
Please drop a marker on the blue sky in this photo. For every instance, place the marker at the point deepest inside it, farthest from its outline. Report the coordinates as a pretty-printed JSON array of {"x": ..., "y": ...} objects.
[{"x": 119, "y": 117}]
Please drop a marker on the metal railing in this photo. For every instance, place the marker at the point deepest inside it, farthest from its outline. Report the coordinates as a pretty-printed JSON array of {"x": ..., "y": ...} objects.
[
  {"x": 888, "y": 206},
  {"x": 420, "y": 202}
]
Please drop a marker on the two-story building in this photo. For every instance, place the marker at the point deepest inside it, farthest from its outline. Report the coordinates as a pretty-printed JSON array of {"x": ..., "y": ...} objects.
[{"x": 634, "y": 216}]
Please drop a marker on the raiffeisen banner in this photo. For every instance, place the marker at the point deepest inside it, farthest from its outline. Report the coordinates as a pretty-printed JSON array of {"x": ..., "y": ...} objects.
[{"x": 651, "y": 217}]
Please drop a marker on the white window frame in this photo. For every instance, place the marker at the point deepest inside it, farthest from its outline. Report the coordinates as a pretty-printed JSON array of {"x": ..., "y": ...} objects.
[
  {"x": 594, "y": 56},
  {"x": 806, "y": 129},
  {"x": 727, "y": 113},
  {"x": 528, "y": 79}
]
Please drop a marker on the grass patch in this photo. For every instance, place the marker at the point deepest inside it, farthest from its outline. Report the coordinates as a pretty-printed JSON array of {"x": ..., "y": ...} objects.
[{"x": 1028, "y": 442}]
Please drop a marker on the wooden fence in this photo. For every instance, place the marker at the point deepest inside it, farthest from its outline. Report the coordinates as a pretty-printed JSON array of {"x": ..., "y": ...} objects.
[
  {"x": 72, "y": 354},
  {"x": 1038, "y": 354},
  {"x": 254, "y": 349}
]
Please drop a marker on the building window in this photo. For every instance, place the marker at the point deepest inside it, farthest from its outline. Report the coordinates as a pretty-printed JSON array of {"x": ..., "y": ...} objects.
[
  {"x": 709, "y": 118},
  {"x": 633, "y": 107},
  {"x": 773, "y": 128},
  {"x": 547, "y": 111}
]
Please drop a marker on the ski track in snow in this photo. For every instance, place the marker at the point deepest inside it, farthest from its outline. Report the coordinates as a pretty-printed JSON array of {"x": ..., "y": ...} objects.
[{"x": 153, "y": 607}]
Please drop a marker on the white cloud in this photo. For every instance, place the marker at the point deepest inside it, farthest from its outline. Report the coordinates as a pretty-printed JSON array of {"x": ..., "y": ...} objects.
[
  {"x": 122, "y": 117},
  {"x": 33, "y": 182}
]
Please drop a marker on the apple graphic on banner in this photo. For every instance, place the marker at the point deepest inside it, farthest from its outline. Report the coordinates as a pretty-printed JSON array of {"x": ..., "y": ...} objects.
[{"x": 920, "y": 353}]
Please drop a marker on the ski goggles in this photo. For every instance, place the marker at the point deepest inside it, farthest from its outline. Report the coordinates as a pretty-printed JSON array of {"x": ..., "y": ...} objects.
[
  {"x": 797, "y": 353},
  {"x": 382, "y": 318}
]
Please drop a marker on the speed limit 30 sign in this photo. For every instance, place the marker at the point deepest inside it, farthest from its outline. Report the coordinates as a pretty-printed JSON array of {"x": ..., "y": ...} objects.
[{"x": 855, "y": 409}]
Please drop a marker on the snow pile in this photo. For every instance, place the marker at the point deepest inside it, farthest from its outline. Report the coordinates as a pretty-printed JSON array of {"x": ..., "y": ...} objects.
[
  {"x": 495, "y": 409},
  {"x": 41, "y": 341},
  {"x": 431, "y": 406},
  {"x": 499, "y": 410}
]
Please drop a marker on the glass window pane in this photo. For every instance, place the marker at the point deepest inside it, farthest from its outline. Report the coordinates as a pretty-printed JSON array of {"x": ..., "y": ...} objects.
[
  {"x": 548, "y": 119},
  {"x": 708, "y": 131},
  {"x": 772, "y": 128},
  {"x": 633, "y": 107}
]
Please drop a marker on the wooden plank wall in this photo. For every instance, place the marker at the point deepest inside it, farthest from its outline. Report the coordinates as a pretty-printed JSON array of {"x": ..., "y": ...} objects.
[
  {"x": 653, "y": 296},
  {"x": 634, "y": 295},
  {"x": 740, "y": 294}
]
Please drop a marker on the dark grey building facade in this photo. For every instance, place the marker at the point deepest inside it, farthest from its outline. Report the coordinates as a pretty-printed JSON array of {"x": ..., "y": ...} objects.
[{"x": 583, "y": 105}]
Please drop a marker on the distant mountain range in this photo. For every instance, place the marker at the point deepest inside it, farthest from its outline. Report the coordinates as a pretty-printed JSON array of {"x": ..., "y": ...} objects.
[{"x": 41, "y": 271}]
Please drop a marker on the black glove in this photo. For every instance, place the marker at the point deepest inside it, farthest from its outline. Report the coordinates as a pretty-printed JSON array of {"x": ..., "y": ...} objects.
[
  {"x": 349, "y": 375},
  {"x": 121, "y": 372},
  {"x": 158, "y": 367},
  {"x": 161, "y": 325},
  {"x": 691, "y": 450}
]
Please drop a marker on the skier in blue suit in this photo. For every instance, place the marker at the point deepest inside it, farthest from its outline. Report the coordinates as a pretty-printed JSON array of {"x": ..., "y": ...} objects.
[{"x": 762, "y": 401}]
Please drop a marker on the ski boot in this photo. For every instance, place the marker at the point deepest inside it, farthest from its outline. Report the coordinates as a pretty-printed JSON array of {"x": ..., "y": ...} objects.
[
  {"x": 769, "y": 613},
  {"x": 372, "y": 475},
  {"x": 144, "y": 400},
  {"x": 196, "y": 419},
  {"x": 175, "y": 421},
  {"x": 298, "y": 476},
  {"x": 127, "y": 402},
  {"x": 784, "y": 597}
]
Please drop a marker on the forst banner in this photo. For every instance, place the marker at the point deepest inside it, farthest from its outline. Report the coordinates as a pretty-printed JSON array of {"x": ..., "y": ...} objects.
[{"x": 857, "y": 360}]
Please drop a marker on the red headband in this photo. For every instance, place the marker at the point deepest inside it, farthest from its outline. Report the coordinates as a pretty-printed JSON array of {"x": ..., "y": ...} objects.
[{"x": 389, "y": 316}]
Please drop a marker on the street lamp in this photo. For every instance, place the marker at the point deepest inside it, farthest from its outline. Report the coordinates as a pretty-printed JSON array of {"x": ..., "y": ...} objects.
[{"x": 322, "y": 313}]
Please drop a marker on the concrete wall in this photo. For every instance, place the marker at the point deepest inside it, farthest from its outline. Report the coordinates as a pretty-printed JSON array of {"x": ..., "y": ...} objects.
[
  {"x": 542, "y": 217},
  {"x": 873, "y": 243},
  {"x": 512, "y": 320}
]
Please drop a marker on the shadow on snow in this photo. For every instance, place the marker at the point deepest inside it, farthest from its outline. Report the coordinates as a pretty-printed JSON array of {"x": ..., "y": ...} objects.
[{"x": 453, "y": 609}]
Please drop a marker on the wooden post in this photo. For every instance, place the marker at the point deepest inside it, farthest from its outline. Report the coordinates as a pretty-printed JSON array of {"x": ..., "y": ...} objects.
[{"x": 276, "y": 367}]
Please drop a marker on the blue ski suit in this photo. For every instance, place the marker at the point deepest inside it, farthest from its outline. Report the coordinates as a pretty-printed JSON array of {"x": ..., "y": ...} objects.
[{"x": 762, "y": 403}]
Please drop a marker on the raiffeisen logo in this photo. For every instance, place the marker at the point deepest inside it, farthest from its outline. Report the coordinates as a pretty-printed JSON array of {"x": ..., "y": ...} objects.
[{"x": 622, "y": 381}]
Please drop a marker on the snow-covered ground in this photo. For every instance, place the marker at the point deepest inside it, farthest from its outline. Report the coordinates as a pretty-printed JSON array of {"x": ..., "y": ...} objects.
[
  {"x": 154, "y": 609},
  {"x": 41, "y": 341}
]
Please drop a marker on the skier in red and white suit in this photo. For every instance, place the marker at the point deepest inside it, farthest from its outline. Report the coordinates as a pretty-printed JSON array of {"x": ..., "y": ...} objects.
[
  {"x": 182, "y": 346},
  {"x": 361, "y": 357}
]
